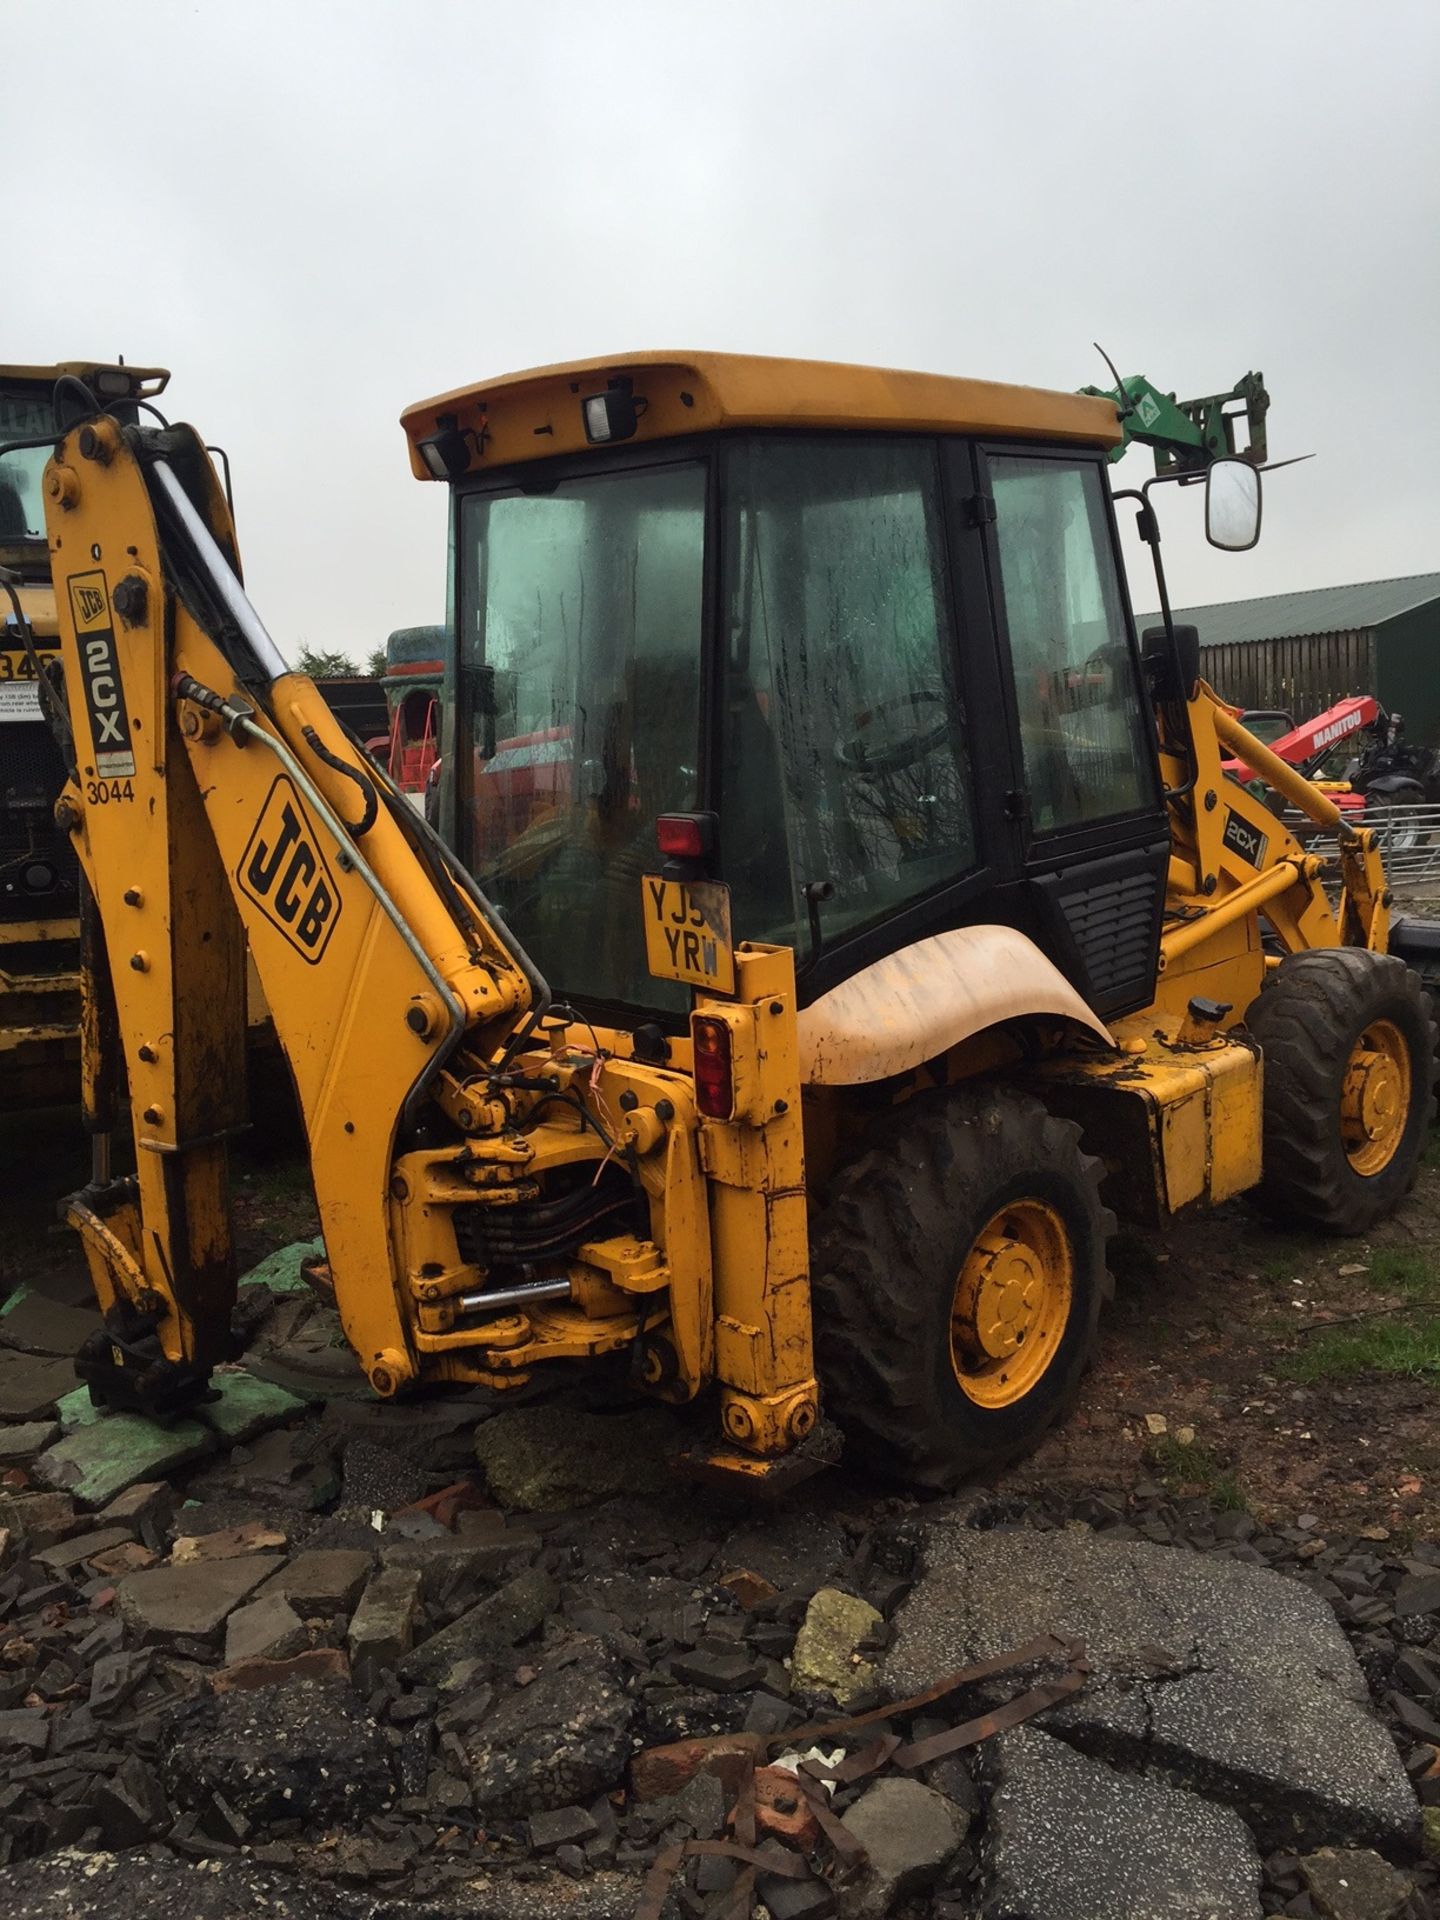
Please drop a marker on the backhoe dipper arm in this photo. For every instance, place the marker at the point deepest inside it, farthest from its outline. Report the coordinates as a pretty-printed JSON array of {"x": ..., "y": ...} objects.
[{"x": 215, "y": 800}]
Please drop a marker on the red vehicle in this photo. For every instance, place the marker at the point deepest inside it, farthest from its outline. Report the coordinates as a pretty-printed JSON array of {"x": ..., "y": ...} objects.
[
  {"x": 1309, "y": 744},
  {"x": 414, "y": 673}
]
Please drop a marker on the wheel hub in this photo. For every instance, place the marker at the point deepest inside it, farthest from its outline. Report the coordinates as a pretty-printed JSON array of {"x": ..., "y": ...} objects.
[
  {"x": 1375, "y": 1099},
  {"x": 1012, "y": 1303},
  {"x": 1000, "y": 1291}
]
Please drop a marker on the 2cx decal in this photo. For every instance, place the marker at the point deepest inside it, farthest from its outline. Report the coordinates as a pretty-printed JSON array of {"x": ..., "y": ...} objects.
[
  {"x": 100, "y": 673},
  {"x": 1240, "y": 837},
  {"x": 284, "y": 872}
]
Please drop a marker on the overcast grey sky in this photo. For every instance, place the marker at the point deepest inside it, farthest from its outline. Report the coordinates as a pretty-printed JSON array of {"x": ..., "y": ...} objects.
[{"x": 315, "y": 214}]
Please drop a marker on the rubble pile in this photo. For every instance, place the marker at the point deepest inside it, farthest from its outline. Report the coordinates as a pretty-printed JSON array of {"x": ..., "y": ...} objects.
[{"x": 305, "y": 1654}]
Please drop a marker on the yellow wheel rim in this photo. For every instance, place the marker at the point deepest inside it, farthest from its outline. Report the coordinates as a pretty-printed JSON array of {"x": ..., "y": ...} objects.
[
  {"x": 1375, "y": 1099},
  {"x": 1012, "y": 1303}
]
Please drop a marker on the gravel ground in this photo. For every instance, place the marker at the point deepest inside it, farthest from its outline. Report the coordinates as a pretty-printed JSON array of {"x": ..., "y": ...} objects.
[{"x": 344, "y": 1657}]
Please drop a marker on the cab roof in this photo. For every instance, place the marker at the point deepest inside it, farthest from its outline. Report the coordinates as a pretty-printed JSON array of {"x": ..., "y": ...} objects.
[
  {"x": 144, "y": 381},
  {"x": 537, "y": 414}
]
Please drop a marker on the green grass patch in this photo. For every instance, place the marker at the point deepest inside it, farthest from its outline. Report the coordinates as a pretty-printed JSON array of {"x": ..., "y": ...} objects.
[
  {"x": 1408, "y": 1272},
  {"x": 1195, "y": 1468},
  {"x": 1399, "y": 1345},
  {"x": 1293, "y": 1258}
]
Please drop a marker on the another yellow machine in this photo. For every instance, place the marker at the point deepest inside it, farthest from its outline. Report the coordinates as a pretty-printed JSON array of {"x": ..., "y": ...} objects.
[
  {"x": 39, "y": 879},
  {"x": 901, "y": 920}
]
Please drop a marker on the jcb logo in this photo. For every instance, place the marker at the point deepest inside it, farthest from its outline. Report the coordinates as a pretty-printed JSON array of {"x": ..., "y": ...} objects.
[
  {"x": 89, "y": 605},
  {"x": 284, "y": 873}
]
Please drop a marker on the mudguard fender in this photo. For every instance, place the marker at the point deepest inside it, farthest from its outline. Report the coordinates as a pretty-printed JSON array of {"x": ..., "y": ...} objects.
[{"x": 927, "y": 997}]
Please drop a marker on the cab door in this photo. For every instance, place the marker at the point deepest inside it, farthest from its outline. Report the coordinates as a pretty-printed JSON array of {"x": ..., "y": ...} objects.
[{"x": 1090, "y": 835}]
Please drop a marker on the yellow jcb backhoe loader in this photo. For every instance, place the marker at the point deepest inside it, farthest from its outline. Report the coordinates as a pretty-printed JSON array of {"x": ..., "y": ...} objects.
[{"x": 901, "y": 920}]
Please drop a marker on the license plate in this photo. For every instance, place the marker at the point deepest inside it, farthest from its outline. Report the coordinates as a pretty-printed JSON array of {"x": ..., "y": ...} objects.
[
  {"x": 19, "y": 696},
  {"x": 687, "y": 932}
]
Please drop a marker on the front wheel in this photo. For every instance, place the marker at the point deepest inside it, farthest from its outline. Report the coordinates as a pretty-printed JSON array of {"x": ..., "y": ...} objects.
[
  {"x": 1349, "y": 1048},
  {"x": 958, "y": 1276}
]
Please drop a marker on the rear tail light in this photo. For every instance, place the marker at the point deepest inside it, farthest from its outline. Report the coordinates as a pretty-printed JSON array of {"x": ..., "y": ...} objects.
[
  {"x": 714, "y": 1078},
  {"x": 685, "y": 836}
]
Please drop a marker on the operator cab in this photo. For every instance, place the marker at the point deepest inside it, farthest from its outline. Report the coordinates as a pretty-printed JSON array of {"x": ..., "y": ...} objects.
[{"x": 875, "y": 624}]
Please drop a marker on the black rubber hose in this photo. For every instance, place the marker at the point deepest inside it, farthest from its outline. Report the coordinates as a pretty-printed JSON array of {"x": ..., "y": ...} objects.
[
  {"x": 89, "y": 404},
  {"x": 372, "y": 801}
]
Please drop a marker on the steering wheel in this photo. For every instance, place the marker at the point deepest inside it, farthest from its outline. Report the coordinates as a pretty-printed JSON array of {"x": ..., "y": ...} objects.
[{"x": 883, "y": 742}]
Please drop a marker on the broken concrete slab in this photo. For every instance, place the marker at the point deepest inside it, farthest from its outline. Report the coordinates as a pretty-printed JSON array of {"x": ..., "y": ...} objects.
[
  {"x": 545, "y": 1459},
  {"x": 1069, "y": 1838},
  {"x": 382, "y": 1627},
  {"x": 1348, "y": 1883},
  {"x": 324, "y": 1580},
  {"x": 562, "y": 1739},
  {"x": 146, "y": 1508},
  {"x": 192, "y": 1602},
  {"x": 38, "y": 1520},
  {"x": 81, "y": 1547},
  {"x": 451, "y": 1562},
  {"x": 34, "y": 1323},
  {"x": 316, "y": 1663},
  {"x": 95, "y": 1463},
  {"x": 31, "y": 1385},
  {"x": 19, "y": 1445},
  {"x": 265, "y": 1629},
  {"x": 825, "y": 1659},
  {"x": 227, "y": 1543},
  {"x": 908, "y": 1832},
  {"x": 24, "y": 1728},
  {"x": 487, "y": 1631},
  {"x": 332, "y": 1765},
  {"x": 77, "y": 1409},
  {"x": 131, "y": 1808},
  {"x": 245, "y": 1406},
  {"x": 280, "y": 1271},
  {"x": 115, "y": 1562},
  {"x": 1227, "y": 1676}
]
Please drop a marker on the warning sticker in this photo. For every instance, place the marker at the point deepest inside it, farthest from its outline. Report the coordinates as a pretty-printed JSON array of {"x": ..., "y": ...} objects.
[
  {"x": 19, "y": 695},
  {"x": 19, "y": 701},
  {"x": 104, "y": 689}
]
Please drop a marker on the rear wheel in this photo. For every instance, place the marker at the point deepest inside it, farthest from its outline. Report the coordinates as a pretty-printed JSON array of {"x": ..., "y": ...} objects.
[
  {"x": 958, "y": 1277},
  {"x": 1349, "y": 1048}
]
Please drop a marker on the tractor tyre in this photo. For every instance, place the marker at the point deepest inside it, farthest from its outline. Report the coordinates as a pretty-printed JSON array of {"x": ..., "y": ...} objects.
[
  {"x": 958, "y": 1273},
  {"x": 1349, "y": 1043}
]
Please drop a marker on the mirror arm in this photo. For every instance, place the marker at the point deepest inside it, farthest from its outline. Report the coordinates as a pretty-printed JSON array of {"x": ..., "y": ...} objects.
[{"x": 1147, "y": 525}]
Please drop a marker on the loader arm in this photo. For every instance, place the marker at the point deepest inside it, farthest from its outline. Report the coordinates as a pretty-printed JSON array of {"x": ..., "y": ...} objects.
[
  {"x": 1233, "y": 857},
  {"x": 1187, "y": 435},
  {"x": 214, "y": 800}
]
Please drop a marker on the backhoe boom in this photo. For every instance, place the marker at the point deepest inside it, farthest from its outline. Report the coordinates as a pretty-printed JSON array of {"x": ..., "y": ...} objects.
[{"x": 215, "y": 800}]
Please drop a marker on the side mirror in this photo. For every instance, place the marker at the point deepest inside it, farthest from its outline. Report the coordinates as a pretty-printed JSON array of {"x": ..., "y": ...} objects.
[{"x": 1232, "y": 505}]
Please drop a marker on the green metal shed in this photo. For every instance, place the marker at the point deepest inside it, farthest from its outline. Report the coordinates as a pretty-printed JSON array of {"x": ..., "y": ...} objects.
[{"x": 1301, "y": 652}]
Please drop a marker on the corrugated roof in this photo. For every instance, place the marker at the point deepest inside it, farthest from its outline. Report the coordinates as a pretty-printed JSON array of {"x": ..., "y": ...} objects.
[{"x": 1317, "y": 610}]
